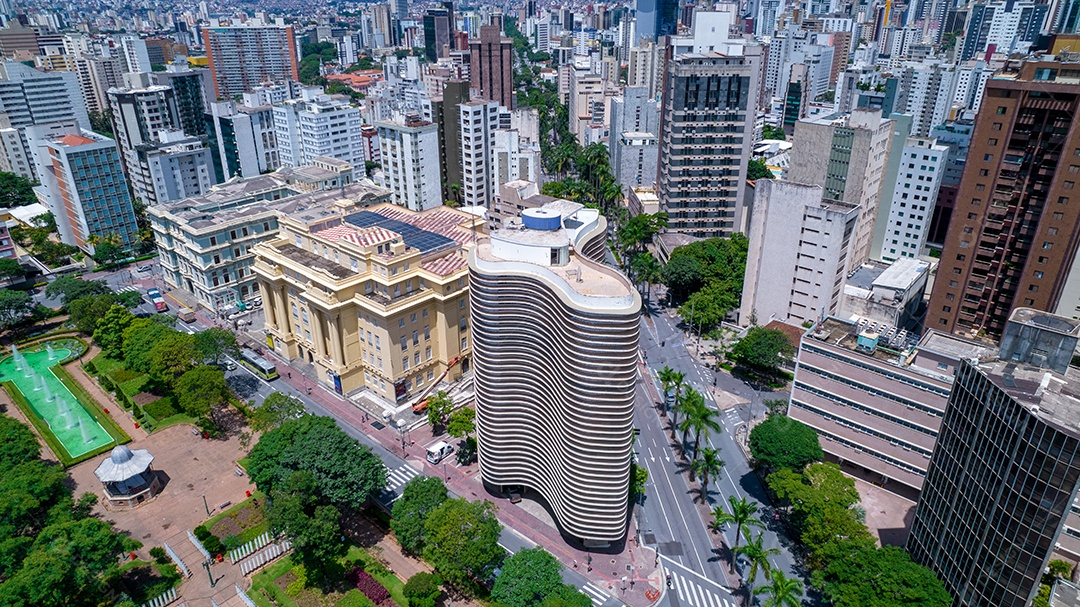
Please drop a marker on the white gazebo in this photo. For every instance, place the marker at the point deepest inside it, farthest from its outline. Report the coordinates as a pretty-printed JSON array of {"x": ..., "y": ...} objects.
[{"x": 128, "y": 477}]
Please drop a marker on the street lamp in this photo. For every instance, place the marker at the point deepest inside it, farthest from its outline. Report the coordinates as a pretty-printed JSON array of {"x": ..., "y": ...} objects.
[
  {"x": 206, "y": 565},
  {"x": 205, "y": 505}
]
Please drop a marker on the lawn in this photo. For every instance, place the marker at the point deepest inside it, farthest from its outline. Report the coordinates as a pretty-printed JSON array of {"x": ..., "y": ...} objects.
[
  {"x": 241, "y": 523},
  {"x": 158, "y": 410},
  {"x": 269, "y": 582}
]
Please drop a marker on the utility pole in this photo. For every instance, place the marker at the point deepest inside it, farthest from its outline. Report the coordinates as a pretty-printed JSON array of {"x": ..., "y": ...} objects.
[{"x": 206, "y": 565}]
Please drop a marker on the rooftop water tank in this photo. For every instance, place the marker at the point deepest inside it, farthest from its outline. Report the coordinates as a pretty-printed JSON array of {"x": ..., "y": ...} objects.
[{"x": 541, "y": 219}]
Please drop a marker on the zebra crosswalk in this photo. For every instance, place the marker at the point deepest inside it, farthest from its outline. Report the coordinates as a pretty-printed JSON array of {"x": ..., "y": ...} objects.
[
  {"x": 126, "y": 288},
  {"x": 597, "y": 596},
  {"x": 693, "y": 589},
  {"x": 396, "y": 479}
]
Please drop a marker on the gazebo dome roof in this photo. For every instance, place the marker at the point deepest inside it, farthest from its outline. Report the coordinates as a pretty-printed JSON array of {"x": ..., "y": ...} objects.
[{"x": 122, "y": 464}]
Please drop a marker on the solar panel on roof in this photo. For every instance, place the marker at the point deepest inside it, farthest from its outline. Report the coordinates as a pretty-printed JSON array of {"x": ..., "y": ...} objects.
[{"x": 414, "y": 237}]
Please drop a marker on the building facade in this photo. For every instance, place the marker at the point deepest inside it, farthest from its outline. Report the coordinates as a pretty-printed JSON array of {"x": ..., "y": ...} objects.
[
  {"x": 701, "y": 175},
  {"x": 410, "y": 157},
  {"x": 87, "y": 192},
  {"x": 914, "y": 197},
  {"x": 1003, "y": 477},
  {"x": 317, "y": 125},
  {"x": 1011, "y": 240},
  {"x": 491, "y": 65},
  {"x": 556, "y": 338},
  {"x": 205, "y": 243},
  {"x": 634, "y": 142},
  {"x": 375, "y": 298},
  {"x": 799, "y": 253},
  {"x": 245, "y": 56},
  {"x": 478, "y": 121}
]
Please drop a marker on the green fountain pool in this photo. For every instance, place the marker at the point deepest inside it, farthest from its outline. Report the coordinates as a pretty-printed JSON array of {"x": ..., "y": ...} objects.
[{"x": 50, "y": 399}]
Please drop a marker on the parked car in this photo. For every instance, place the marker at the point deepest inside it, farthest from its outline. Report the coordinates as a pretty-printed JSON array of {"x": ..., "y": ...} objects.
[{"x": 143, "y": 268}]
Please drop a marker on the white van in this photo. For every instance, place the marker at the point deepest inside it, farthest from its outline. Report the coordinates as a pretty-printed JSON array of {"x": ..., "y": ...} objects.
[{"x": 438, "y": 451}]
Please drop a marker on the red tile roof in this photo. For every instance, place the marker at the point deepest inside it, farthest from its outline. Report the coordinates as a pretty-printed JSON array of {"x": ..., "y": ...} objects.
[{"x": 75, "y": 140}]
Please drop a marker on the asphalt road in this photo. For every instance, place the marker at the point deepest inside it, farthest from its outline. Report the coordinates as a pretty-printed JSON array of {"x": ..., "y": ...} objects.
[{"x": 668, "y": 510}]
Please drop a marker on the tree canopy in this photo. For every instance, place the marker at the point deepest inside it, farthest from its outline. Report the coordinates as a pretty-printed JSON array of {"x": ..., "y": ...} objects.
[
  {"x": 715, "y": 275},
  {"x": 781, "y": 442},
  {"x": 14, "y": 307},
  {"x": 421, "y": 496},
  {"x": 860, "y": 575},
  {"x": 314, "y": 528},
  {"x": 214, "y": 344},
  {"x": 763, "y": 350},
  {"x": 527, "y": 578},
  {"x": 16, "y": 191},
  {"x": 462, "y": 540},
  {"x": 87, "y": 311},
  {"x": 69, "y": 288},
  {"x": 109, "y": 331},
  {"x": 201, "y": 389},
  {"x": 757, "y": 169},
  {"x": 346, "y": 473},
  {"x": 275, "y": 410}
]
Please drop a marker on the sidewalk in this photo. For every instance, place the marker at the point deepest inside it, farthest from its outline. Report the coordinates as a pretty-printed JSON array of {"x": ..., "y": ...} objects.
[{"x": 636, "y": 563}]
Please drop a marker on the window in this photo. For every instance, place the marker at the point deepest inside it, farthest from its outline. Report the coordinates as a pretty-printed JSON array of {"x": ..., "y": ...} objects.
[
  {"x": 984, "y": 172},
  {"x": 416, "y": 359},
  {"x": 380, "y": 362},
  {"x": 307, "y": 335},
  {"x": 1001, "y": 110},
  {"x": 427, "y": 333},
  {"x": 988, "y": 157},
  {"x": 294, "y": 312},
  {"x": 1063, "y": 200},
  {"x": 1038, "y": 274},
  {"x": 462, "y": 324},
  {"x": 997, "y": 126},
  {"x": 1058, "y": 216},
  {"x": 461, "y": 304},
  {"x": 430, "y": 374},
  {"x": 1068, "y": 185},
  {"x": 1048, "y": 245},
  {"x": 378, "y": 345},
  {"x": 464, "y": 343},
  {"x": 369, "y": 338},
  {"x": 304, "y": 314},
  {"x": 404, "y": 342},
  {"x": 412, "y": 318},
  {"x": 1033, "y": 288},
  {"x": 1043, "y": 259},
  {"x": 415, "y": 338},
  {"x": 991, "y": 141},
  {"x": 427, "y": 353},
  {"x": 423, "y": 313},
  {"x": 1051, "y": 231},
  {"x": 405, "y": 363}
]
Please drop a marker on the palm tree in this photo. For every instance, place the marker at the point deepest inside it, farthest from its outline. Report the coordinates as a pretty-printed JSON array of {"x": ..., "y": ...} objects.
[
  {"x": 741, "y": 515},
  {"x": 703, "y": 421},
  {"x": 709, "y": 464},
  {"x": 757, "y": 557},
  {"x": 687, "y": 405},
  {"x": 667, "y": 382},
  {"x": 677, "y": 379},
  {"x": 782, "y": 591}
]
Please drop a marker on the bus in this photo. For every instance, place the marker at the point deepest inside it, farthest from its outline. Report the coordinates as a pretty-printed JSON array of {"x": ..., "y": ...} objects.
[
  {"x": 155, "y": 298},
  {"x": 258, "y": 364}
]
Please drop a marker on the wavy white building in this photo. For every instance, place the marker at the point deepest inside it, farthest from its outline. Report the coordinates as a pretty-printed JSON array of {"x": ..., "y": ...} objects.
[{"x": 555, "y": 338}]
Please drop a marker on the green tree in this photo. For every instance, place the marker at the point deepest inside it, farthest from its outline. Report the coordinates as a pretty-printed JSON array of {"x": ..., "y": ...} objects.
[
  {"x": 707, "y": 308},
  {"x": 811, "y": 494},
  {"x": 855, "y": 575},
  {"x": 703, "y": 421},
  {"x": 782, "y": 591},
  {"x": 110, "y": 250},
  {"x": 423, "y": 589},
  {"x": 682, "y": 275},
  {"x": 275, "y": 410},
  {"x": 462, "y": 540},
  {"x": 757, "y": 557},
  {"x": 138, "y": 338},
  {"x": 421, "y": 496},
  {"x": 461, "y": 423},
  {"x": 346, "y": 473},
  {"x": 16, "y": 191},
  {"x": 763, "y": 351},
  {"x": 527, "y": 578},
  {"x": 15, "y": 307},
  {"x": 567, "y": 596},
  {"x": 640, "y": 230},
  {"x": 670, "y": 380},
  {"x": 214, "y": 344},
  {"x": 707, "y": 465},
  {"x": 18, "y": 444},
  {"x": 172, "y": 356},
  {"x": 313, "y": 528},
  {"x": 827, "y": 524},
  {"x": 87, "y": 311},
  {"x": 647, "y": 270},
  {"x": 773, "y": 132},
  {"x": 129, "y": 299},
  {"x": 69, "y": 288},
  {"x": 11, "y": 269},
  {"x": 782, "y": 442},
  {"x": 742, "y": 517},
  {"x": 439, "y": 406},
  {"x": 757, "y": 169},
  {"x": 201, "y": 389},
  {"x": 691, "y": 401}
]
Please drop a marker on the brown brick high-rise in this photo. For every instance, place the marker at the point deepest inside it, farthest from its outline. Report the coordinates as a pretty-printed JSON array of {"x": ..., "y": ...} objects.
[
  {"x": 491, "y": 65},
  {"x": 1016, "y": 226}
]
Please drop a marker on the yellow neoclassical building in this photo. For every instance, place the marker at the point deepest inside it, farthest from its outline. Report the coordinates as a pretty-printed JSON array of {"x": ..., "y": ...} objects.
[{"x": 375, "y": 298}]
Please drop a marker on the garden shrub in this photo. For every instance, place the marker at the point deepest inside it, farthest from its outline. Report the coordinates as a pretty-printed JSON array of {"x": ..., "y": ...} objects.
[
  {"x": 124, "y": 374},
  {"x": 159, "y": 555},
  {"x": 161, "y": 409},
  {"x": 354, "y": 598},
  {"x": 368, "y": 585},
  {"x": 296, "y": 586},
  {"x": 89, "y": 367}
]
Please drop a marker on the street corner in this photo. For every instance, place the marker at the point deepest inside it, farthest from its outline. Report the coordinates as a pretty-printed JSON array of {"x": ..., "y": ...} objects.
[{"x": 727, "y": 400}]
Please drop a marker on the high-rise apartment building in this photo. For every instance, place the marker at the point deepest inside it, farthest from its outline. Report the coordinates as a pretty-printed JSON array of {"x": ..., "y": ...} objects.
[
  {"x": 191, "y": 88},
  {"x": 914, "y": 197},
  {"x": 1001, "y": 486},
  {"x": 541, "y": 300},
  {"x": 247, "y": 143},
  {"x": 491, "y": 65},
  {"x": 706, "y": 133},
  {"x": 28, "y": 96},
  {"x": 174, "y": 167},
  {"x": 923, "y": 90},
  {"x": 134, "y": 54},
  {"x": 1008, "y": 27},
  {"x": 586, "y": 102},
  {"x": 316, "y": 125},
  {"x": 410, "y": 162},
  {"x": 799, "y": 253},
  {"x": 242, "y": 57},
  {"x": 438, "y": 32},
  {"x": 847, "y": 156},
  {"x": 478, "y": 121},
  {"x": 1011, "y": 242},
  {"x": 656, "y": 18},
  {"x": 374, "y": 298},
  {"x": 85, "y": 206},
  {"x": 643, "y": 68},
  {"x": 446, "y": 115},
  {"x": 513, "y": 158},
  {"x": 634, "y": 142}
]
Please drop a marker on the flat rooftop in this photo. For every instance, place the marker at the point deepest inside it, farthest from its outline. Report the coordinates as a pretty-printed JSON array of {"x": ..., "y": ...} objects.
[
  {"x": 902, "y": 274},
  {"x": 581, "y": 276},
  {"x": 845, "y": 334},
  {"x": 956, "y": 347},
  {"x": 1053, "y": 397}
]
